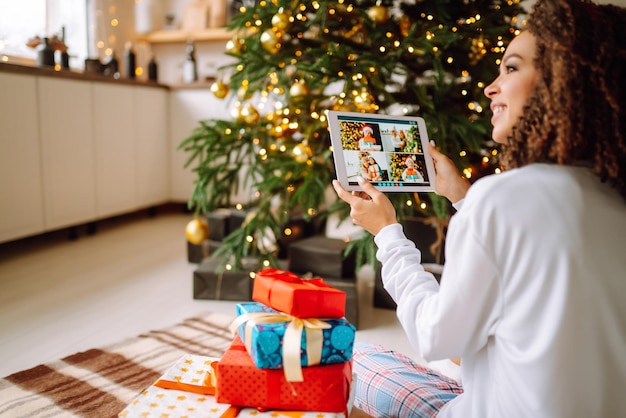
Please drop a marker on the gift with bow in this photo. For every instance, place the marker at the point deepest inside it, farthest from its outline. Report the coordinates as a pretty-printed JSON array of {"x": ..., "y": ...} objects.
[
  {"x": 241, "y": 383},
  {"x": 277, "y": 340},
  {"x": 303, "y": 298}
]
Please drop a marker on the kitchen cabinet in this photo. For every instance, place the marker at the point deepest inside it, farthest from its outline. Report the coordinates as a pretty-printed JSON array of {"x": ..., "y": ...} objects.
[
  {"x": 114, "y": 142},
  {"x": 67, "y": 151},
  {"x": 21, "y": 208},
  {"x": 151, "y": 146}
]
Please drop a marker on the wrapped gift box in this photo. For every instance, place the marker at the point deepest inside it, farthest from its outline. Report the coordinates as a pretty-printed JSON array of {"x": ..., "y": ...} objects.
[
  {"x": 265, "y": 342},
  {"x": 224, "y": 285},
  {"x": 219, "y": 224},
  {"x": 321, "y": 256},
  {"x": 241, "y": 383},
  {"x": 304, "y": 298},
  {"x": 185, "y": 390},
  {"x": 196, "y": 253}
]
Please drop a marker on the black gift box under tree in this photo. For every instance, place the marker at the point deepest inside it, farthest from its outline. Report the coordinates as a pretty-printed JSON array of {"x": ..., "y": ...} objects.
[
  {"x": 322, "y": 256},
  {"x": 352, "y": 297},
  {"x": 224, "y": 285},
  {"x": 196, "y": 253}
]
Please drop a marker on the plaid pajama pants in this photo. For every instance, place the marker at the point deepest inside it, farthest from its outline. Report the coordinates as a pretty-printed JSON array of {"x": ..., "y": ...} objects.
[{"x": 389, "y": 384}]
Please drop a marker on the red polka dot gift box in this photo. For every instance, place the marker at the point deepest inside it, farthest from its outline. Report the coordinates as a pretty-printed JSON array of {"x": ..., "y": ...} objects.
[{"x": 241, "y": 383}]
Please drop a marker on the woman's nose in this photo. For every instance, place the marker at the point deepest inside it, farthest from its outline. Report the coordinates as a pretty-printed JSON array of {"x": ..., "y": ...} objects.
[{"x": 491, "y": 89}]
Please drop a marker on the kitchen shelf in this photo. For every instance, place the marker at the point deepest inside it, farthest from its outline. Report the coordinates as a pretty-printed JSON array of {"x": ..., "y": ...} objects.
[{"x": 178, "y": 36}]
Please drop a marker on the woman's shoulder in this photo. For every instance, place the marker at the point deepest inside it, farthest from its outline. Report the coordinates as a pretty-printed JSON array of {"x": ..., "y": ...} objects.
[{"x": 514, "y": 189}]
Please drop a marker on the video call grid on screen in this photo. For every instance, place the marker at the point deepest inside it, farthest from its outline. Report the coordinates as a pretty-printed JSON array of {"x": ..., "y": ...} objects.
[{"x": 387, "y": 151}]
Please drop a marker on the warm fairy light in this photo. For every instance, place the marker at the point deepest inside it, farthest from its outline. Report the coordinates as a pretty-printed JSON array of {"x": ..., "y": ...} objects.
[
  {"x": 249, "y": 238},
  {"x": 468, "y": 172},
  {"x": 450, "y": 60},
  {"x": 228, "y": 267},
  {"x": 114, "y": 22},
  {"x": 481, "y": 84},
  {"x": 311, "y": 211},
  {"x": 382, "y": 49},
  {"x": 463, "y": 153},
  {"x": 409, "y": 203},
  {"x": 464, "y": 92},
  {"x": 494, "y": 152},
  {"x": 485, "y": 160},
  {"x": 239, "y": 206},
  {"x": 497, "y": 171},
  {"x": 266, "y": 263},
  {"x": 253, "y": 274},
  {"x": 287, "y": 231}
]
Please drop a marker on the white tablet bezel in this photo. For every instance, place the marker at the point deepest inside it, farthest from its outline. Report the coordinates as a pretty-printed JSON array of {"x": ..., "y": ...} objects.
[{"x": 382, "y": 126}]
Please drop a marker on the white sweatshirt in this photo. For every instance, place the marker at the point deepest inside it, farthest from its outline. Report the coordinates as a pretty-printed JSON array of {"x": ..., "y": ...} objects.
[{"x": 532, "y": 296}]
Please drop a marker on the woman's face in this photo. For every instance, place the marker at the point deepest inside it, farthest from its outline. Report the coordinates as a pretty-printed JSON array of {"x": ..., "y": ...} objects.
[{"x": 510, "y": 91}]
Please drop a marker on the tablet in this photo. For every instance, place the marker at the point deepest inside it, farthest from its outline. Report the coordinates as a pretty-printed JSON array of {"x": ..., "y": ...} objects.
[{"x": 389, "y": 151}]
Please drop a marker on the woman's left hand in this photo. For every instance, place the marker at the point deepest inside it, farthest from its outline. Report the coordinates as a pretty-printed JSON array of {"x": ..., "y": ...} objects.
[{"x": 370, "y": 209}]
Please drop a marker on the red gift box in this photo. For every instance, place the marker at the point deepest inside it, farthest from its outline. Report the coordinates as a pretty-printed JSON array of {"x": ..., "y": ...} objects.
[
  {"x": 241, "y": 383},
  {"x": 289, "y": 293}
]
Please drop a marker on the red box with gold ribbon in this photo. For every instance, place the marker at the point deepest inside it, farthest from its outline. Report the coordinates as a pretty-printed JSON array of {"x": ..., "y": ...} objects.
[
  {"x": 303, "y": 298},
  {"x": 240, "y": 383}
]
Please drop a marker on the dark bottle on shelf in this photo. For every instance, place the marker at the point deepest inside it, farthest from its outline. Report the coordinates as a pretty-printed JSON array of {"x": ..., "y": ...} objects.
[
  {"x": 45, "y": 54},
  {"x": 152, "y": 70},
  {"x": 129, "y": 61}
]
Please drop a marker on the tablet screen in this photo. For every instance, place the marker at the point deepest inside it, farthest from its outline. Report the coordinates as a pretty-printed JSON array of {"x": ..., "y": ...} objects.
[{"x": 389, "y": 151}]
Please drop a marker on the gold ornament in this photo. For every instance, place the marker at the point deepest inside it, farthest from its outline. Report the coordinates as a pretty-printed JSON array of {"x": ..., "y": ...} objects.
[
  {"x": 249, "y": 114},
  {"x": 233, "y": 46},
  {"x": 269, "y": 41},
  {"x": 280, "y": 21},
  {"x": 197, "y": 231},
  {"x": 301, "y": 153},
  {"x": 219, "y": 89},
  {"x": 299, "y": 88},
  {"x": 379, "y": 14}
]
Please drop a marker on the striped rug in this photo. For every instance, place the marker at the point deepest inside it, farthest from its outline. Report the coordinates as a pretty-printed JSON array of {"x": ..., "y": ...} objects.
[{"x": 100, "y": 382}]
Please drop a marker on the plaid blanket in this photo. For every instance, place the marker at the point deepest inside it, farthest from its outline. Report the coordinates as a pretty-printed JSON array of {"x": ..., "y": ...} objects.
[{"x": 100, "y": 382}]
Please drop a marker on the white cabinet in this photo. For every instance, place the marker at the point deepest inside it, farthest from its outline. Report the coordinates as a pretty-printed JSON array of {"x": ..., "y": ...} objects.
[
  {"x": 21, "y": 199},
  {"x": 67, "y": 150},
  {"x": 114, "y": 137},
  {"x": 151, "y": 146},
  {"x": 187, "y": 108}
]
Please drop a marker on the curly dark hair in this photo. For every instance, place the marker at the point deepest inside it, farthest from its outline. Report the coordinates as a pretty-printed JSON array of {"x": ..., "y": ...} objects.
[{"x": 576, "y": 113}]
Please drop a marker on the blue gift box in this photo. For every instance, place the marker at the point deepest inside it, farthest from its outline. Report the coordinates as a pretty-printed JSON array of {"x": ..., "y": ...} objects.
[{"x": 266, "y": 339}]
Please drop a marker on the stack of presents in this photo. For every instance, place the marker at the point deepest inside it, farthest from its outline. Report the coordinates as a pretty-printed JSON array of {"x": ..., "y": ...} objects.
[
  {"x": 291, "y": 356},
  {"x": 306, "y": 251}
]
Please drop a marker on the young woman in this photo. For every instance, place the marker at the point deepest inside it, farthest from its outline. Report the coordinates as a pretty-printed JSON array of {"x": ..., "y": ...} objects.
[{"x": 533, "y": 293}]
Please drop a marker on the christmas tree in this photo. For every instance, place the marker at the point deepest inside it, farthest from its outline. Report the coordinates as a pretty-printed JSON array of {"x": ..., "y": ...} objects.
[{"x": 296, "y": 60}]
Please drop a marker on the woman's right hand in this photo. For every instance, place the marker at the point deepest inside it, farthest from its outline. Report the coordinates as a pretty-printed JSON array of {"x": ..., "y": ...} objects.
[{"x": 449, "y": 182}]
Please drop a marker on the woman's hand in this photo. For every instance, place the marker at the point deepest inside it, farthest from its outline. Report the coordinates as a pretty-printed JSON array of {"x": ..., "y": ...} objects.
[
  {"x": 370, "y": 209},
  {"x": 449, "y": 183}
]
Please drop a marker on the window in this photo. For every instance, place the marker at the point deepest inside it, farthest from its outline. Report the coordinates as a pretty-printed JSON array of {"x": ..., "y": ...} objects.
[{"x": 23, "y": 20}]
